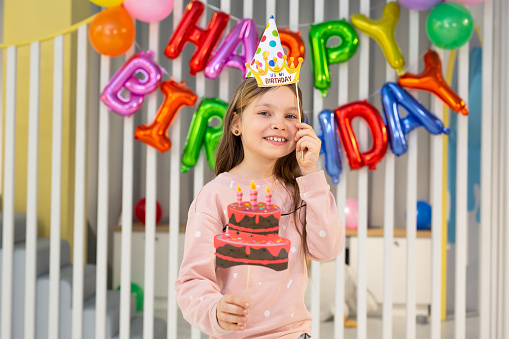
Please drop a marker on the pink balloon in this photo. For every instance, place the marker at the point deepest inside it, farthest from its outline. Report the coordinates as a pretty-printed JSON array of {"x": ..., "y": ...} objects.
[
  {"x": 125, "y": 79},
  {"x": 466, "y": 2},
  {"x": 351, "y": 214},
  {"x": 225, "y": 56},
  {"x": 149, "y": 10},
  {"x": 420, "y": 5}
]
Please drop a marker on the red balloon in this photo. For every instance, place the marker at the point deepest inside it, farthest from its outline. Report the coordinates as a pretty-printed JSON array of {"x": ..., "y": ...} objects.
[
  {"x": 431, "y": 80},
  {"x": 293, "y": 43},
  {"x": 361, "y": 109},
  {"x": 176, "y": 95},
  {"x": 139, "y": 211},
  {"x": 204, "y": 39}
]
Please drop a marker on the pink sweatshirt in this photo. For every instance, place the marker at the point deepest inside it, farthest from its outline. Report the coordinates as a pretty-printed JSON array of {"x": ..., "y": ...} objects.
[{"x": 276, "y": 298}]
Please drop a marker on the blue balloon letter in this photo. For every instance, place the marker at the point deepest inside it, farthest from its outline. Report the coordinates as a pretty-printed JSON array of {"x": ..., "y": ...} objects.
[{"x": 331, "y": 147}]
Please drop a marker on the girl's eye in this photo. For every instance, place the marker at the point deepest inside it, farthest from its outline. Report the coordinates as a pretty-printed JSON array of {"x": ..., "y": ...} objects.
[
  {"x": 264, "y": 113},
  {"x": 291, "y": 116}
]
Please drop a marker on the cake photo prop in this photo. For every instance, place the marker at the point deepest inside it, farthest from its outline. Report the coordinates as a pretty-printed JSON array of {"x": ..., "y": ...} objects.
[{"x": 252, "y": 234}]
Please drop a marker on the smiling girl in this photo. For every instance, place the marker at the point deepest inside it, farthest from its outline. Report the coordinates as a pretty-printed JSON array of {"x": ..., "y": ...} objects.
[{"x": 264, "y": 141}]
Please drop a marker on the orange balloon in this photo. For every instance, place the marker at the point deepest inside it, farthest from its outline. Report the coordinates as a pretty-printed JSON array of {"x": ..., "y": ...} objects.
[
  {"x": 112, "y": 31},
  {"x": 293, "y": 44},
  {"x": 431, "y": 80}
]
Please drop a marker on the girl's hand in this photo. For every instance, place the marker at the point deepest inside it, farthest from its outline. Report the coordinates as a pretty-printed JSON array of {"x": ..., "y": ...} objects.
[
  {"x": 232, "y": 313},
  {"x": 307, "y": 141}
]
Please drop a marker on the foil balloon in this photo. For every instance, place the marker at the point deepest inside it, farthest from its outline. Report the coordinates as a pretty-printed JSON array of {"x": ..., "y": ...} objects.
[
  {"x": 330, "y": 144},
  {"x": 125, "y": 79},
  {"x": 204, "y": 39},
  {"x": 361, "y": 109},
  {"x": 293, "y": 44},
  {"x": 201, "y": 134},
  {"x": 466, "y": 2},
  {"x": 149, "y": 10},
  {"x": 225, "y": 55},
  {"x": 449, "y": 25},
  {"x": 420, "y": 5},
  {"x": 112, "y": 31},
  {"x": 383, "y": 32},
  {"x": 418, "y": 116},
  {"x": 175, "y": 95},
  {"x": 322, "y": 56},
  {"x": 431, "y": 80},
  {"x": 107, "y": 3}
]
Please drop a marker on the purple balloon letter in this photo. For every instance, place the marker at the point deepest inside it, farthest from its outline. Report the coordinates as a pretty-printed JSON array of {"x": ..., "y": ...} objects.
[{"x": 125, "y": 78}]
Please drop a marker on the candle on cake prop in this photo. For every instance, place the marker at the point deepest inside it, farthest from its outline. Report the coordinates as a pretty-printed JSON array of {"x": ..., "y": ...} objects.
[{"x": 252, "y": 235}]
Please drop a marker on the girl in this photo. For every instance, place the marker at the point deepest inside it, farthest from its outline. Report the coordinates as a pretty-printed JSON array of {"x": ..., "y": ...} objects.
[{"x": 262, "y": 141}]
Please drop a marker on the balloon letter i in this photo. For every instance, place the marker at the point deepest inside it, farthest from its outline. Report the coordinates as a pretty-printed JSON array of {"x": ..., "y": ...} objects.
[{"x": 176, "y": 95}]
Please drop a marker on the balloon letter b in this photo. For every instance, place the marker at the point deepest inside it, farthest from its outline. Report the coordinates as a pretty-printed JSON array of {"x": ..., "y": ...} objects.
[
  {"x": 201, "y": 134},
  {"x": 125, "y": 78},
  {"x": 205, "y": 40},
  {"x": 176, "y": 95},
  {"x": 361, "y": 109},
  {"x": 323, "y": 56}
]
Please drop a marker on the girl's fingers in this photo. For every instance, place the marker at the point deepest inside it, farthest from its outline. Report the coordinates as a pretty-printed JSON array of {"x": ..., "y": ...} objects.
[
  {"x": 233, "y": 309},
  {"x": 231, "y": 318},
  {"x": 230, "y": 326}
]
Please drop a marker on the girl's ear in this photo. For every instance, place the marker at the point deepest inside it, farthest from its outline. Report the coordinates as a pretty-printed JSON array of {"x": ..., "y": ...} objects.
[{"x": 236, "y": 126}]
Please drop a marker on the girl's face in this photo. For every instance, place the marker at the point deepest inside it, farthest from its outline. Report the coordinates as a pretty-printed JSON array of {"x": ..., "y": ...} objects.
[{"x": 268, "y": 125}]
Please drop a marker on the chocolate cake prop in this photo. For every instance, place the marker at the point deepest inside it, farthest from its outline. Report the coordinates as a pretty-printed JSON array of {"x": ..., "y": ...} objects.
[{"x": 252, "y": 234}]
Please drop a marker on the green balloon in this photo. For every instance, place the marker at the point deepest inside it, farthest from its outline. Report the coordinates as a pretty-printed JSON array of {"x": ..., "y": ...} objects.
[
  {"x": 322, "y": 56},
  {"x": 137, "y": 291},
  {"x": 450, "y": 25},
  {"x": 202, "y": 135}
]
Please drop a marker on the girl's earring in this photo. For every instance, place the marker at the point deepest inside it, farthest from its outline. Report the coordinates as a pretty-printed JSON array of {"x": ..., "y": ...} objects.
[{"x": 237, "y": 133}]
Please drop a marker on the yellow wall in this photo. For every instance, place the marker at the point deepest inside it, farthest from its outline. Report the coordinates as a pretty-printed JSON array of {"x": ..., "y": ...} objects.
[{"x": 30, "y": 19}]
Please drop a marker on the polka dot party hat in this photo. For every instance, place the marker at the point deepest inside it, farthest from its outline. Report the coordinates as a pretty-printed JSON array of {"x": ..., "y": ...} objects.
[{"x": 269, "y": 65}]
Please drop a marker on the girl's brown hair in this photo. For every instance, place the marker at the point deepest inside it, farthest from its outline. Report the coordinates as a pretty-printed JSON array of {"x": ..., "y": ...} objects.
[{"x": 230, "y": 152}]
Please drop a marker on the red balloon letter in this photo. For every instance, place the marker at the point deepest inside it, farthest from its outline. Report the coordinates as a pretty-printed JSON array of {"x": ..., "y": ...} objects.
[
  {"x": 188, "y": 31},
  {"x": 176, "y": 95},
  {"x": 361, "y": 109},
  {"x": 293, "y": 43},
  {"x": 431, "y": 80}
]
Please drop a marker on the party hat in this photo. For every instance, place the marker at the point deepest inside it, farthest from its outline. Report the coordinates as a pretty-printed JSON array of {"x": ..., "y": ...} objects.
[{"x": 270, "y": 66}]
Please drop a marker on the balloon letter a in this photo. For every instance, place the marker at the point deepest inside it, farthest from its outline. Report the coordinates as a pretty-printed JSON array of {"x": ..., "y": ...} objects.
[
  {"x": 361, "y": 109},
  {"x": 225, "y": 55},
  {"x": 176, "y": 95},
  {"x": 201, "y": 134},
  {"x": 383, "y": 31},
  {"x": 205, "y": 40},
  {"x": 418, "y": 115},
  {"x": 322, "y": 56},
  {"x": 431, "y": 80}
]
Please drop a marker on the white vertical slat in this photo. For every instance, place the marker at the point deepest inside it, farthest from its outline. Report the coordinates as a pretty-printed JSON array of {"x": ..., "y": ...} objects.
[
  {"x": 102, "y": 207},
  {"x": 270, "y": 9},
  {"x": 315, "y": 266},
  {"x": 486, "y": 182},
  {"x": 32, "y": 165},
  {"x": 127, "y": 221},
  {"x": 150, "y": 213},
  {"x": 437, "y": 152},
  {"x": 79, "y": 183},
  {"x": 248, "y": 10},
  {"x": 339, "y": 328},
  {"x": 461, "y": 199},
  {"x": 411, "y": 207},
  {"x": 199, "y": 168},
  {"x": 174, "y": 193},
  {"x": 389, "y": 192},
  {"x": 486, "y": 159},
  {"x": 363, "y": 183},
  {"x": 56, "y": 185},
  {"x": 505, "y": 253},
  {"x": 2, "y": 117},
  {"x": 8, "y": 193},
  {"x": 494, "y": 186}
]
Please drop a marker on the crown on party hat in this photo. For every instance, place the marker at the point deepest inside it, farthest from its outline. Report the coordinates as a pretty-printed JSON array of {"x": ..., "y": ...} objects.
[{"x": 271, "y": 64}]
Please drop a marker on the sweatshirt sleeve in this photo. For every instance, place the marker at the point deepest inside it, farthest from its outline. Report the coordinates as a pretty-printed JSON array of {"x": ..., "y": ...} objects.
[
  {"x": 197, "y": 289},
  {"x": 325, "y": 238}
]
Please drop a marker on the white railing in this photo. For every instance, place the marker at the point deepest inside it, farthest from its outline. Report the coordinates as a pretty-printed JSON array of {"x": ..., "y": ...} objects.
[{"x": 495, "y": 164}]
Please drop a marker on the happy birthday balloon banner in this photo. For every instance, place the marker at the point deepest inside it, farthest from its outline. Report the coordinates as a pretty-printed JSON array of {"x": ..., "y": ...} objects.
[{"x": 141, "y": 75}]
